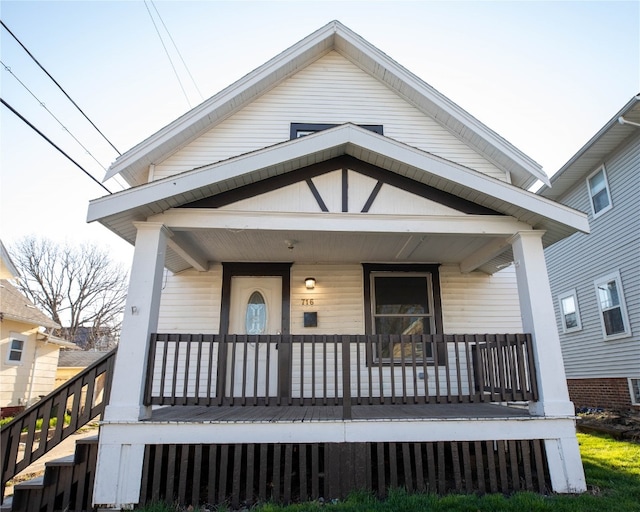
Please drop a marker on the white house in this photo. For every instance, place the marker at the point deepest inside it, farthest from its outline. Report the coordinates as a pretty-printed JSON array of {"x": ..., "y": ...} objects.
[
  {"x": 320, "y": 251},
  {"x": 597, "y": 302}
]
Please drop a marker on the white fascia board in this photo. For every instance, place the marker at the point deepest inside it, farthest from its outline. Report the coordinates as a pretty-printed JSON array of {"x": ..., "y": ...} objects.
[
  {"x": 443, "y": 103},
  {"x": 475, "y": 180},
  {"x": 179, "y": 219},
  {"x": 612, "y": 126},
  {"x": 223, "y": 98},
  {"x": 270, "y": 73},
  {"x": 214, "y": 173},
  {"x": 347, "y": 136},
  {"x": 11, "y": 269}
]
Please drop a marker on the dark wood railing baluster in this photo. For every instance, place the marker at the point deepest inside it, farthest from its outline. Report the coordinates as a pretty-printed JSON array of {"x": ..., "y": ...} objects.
[
  {"x": 346, "y": 377},
  {"x": 456, "y": 344},
  {"x": 498, "y": 368}
]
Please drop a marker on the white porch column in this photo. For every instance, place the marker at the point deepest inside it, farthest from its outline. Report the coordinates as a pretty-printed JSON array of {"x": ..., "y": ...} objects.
[
  {"x": 119, "y": 467},
  {"x": 538, "y": 318}
]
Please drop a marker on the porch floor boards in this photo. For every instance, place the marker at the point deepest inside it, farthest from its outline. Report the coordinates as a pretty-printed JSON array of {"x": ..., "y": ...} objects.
[{"x": 290, "y": 414}]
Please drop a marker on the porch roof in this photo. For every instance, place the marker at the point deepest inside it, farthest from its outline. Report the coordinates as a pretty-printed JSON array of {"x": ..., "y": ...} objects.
[
  {"x": 119, "y": 212},
  {"x": 134, "y": 164}
]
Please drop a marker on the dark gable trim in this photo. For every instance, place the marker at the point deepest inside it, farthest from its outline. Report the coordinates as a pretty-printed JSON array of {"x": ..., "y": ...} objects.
[
  {"x": 372, "y": 197},
  {"x": 267, "y": 185},
  {"x": 417, "y": 188},
  {"x": 316, "y": 195},
  {"x": 256, "y": 269},
  {"x": 343, "y": 162},
  {"x": 318, "y": 127}
]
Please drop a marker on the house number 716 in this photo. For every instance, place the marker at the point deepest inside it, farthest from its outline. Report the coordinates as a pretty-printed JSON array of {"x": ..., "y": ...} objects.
[{"x": 307, "y": 302}]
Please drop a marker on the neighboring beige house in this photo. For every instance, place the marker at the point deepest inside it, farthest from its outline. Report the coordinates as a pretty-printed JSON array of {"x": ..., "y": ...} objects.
[
  {"x": 72, "y": 362},
  {"x": 28, "y": 355}
]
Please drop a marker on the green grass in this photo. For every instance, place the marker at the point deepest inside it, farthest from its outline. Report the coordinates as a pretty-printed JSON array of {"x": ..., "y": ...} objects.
[
  {"x": 52, "y": 422},
  {"x": 612, "y": 469}
]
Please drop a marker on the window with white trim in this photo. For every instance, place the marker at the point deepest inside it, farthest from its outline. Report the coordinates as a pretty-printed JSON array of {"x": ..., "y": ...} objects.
[
  {"x": 634, "y": 390},
  {"x": 613, "y": 312},
  {"x": 569, "y": 311},
  {"x": 599, "y": 193},
  {"x": 17, "y": 345}
]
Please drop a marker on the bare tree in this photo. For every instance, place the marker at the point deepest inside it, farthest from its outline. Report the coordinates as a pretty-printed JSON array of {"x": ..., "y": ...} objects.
[{"x": 79, "y": 287}]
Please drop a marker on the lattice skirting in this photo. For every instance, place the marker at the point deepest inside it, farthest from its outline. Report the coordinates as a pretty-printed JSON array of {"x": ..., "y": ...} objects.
[{"x": 246, "y": 473}]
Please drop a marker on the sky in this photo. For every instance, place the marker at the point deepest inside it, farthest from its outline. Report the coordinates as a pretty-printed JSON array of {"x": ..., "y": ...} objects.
[{"x": 545, "y": 75}]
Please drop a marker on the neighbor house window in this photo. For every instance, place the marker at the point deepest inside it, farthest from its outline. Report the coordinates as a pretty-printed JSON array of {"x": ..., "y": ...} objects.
[
  {"x": 613, "y": 314},
  {"x": 16, "y": 349},
  {"x": 599, "y": 192},
  {"x": 569, "y": 312},
  {"x": 634, "y": 390}
]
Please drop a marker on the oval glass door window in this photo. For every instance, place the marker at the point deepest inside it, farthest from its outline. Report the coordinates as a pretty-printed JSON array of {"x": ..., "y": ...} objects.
[{"x": 256, "y": 317}]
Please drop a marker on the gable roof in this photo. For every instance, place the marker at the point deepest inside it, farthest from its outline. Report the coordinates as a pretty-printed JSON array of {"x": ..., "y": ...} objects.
[
  {"x": 79, "y": 358},
  {"x": 133, "y": 165},
  {"x": 119, "y": 212},
  {"x": 615, "y": 132},
  {"x": 15, "y": 306}
]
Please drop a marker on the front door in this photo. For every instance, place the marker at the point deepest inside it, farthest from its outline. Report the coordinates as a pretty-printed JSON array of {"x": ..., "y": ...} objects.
[{"x": 255, "y": 308}]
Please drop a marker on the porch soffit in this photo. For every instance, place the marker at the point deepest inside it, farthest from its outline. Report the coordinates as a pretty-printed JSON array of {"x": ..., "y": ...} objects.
[
  {"x": 359, "y": 148},
  {"x": 133, "y": 165}
]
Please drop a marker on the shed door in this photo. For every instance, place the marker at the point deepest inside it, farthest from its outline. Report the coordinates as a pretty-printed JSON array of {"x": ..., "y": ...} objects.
[{"x": 256, "y": 308}]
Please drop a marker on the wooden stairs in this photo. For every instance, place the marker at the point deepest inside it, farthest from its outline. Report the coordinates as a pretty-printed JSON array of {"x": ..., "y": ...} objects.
[{"x": 67, "y": 483}]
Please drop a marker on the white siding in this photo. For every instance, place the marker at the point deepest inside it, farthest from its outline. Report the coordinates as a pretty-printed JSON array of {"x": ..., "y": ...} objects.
[
  {"x": 477, "y": 303},
  {"x": 190, "y": 302},
  {"x": 474, "y": 303},
  {"x": 331, "y": 90},
  {"x": 337, "y": 298},
  {"x": 292, "y": 198},
  {"x": 613, "y": 245}
]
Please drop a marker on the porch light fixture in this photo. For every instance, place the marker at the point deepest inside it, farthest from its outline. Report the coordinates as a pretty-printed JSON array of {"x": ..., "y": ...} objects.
[{"x": 310, "y": 282}]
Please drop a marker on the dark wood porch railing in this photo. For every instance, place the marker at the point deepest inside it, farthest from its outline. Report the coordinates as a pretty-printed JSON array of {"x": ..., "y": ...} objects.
[
  {"x": 83, "y": 398},
  {"x": 190, "y": 369}
]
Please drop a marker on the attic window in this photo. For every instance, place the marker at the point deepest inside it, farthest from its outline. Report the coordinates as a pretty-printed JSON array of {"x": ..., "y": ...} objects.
[{"x": 301, "y": 129}]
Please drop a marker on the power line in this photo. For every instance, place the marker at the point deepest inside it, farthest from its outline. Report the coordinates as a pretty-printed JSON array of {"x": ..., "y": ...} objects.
[
  {"x": 168, "y": 55},
  {"x": 52, "y": 143},
  {"x": 42, "y": 104},
  {"x": 177, "y": 50},
  {"x": 59, "y": 87}
]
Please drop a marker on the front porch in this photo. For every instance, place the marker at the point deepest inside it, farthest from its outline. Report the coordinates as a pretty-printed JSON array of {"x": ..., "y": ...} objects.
[{"x": 451, "y": 415}]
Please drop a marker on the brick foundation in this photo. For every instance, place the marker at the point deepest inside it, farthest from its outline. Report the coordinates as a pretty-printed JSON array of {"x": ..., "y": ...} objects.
[{"x": 612, "y": 394}]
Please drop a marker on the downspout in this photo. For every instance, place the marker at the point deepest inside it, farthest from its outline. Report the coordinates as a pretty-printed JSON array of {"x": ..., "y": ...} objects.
[{"x": 33, "y": 372}]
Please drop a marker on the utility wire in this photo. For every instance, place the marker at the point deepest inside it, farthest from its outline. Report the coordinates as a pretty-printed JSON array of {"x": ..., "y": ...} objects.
[
  {"x": 52, "y": 143},
  {"x": 42, "y": 104},
  {"x": 59, "y": 86},
  {"x": 167, "y": 52},
  {"x": 177, "y": 50}
]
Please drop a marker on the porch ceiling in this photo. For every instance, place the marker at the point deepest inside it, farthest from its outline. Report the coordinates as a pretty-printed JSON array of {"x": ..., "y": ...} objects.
[{"x": 330, "y": 247}]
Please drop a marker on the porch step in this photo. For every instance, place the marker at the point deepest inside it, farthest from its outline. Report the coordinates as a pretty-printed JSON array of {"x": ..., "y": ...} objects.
[
  {"x": 67, "y": 483},
  {"x": 6, "y": 504}
]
